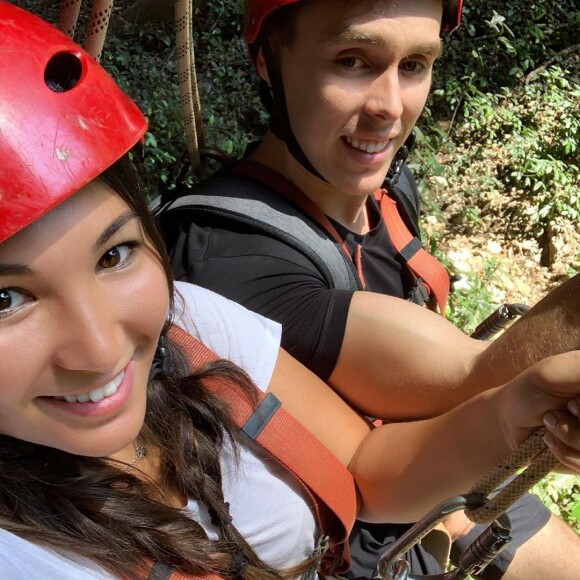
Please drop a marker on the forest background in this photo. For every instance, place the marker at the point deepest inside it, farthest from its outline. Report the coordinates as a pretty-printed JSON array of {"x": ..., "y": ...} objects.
[{"x": 498, "y": 147}]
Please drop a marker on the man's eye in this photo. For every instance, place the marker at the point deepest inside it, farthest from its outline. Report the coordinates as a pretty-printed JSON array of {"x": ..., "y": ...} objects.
[
  {"x": 117, "y": 256},
  {"x": 11, "y": 300},
  {"x": 411, "y": 66},
  {"x": 351, "y": 62}
]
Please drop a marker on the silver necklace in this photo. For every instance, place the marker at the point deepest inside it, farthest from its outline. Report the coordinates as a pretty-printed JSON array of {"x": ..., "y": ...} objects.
[{"x": 140, "y": 453}]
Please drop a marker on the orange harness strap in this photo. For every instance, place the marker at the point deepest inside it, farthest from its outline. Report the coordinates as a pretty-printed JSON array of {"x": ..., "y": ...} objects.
[
  {"x": 422, "y": 264},
  {"x": 325, "y": 479}
]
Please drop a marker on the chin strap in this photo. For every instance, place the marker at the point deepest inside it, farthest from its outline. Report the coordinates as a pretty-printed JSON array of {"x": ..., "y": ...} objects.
[
  {"x": 274, "y": 101},
  {"x": 400, "y": 157}
]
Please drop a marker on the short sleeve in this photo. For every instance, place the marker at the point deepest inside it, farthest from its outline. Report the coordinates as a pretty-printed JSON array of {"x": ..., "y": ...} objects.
[{"x": 247, "y": 339}]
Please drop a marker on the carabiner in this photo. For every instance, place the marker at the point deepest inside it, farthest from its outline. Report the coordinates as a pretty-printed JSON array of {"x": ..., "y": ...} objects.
[{"x": 386, "y": 564}]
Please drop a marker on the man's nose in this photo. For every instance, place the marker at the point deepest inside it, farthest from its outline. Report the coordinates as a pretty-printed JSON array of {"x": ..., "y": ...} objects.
[{"x": 384, "y": 98}]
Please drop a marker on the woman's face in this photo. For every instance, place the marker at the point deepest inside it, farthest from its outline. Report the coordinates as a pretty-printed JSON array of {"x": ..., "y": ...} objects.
[{"x": 83, "y": 299}]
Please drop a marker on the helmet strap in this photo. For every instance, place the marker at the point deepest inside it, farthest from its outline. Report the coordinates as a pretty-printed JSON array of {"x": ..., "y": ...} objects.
[{"x": 274, "y": 100}]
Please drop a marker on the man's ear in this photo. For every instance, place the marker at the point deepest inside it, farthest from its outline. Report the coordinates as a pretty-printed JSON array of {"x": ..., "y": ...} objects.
[{"x": 261, "y": 66}]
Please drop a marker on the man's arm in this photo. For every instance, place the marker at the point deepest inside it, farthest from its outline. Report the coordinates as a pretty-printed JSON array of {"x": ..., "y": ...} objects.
[
  {"x": 399, "y": 361},
  {"x": 551, "y": 327}
]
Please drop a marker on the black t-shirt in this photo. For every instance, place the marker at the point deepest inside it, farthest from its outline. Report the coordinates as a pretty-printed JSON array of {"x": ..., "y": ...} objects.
[{"x": 277, "y": 281}]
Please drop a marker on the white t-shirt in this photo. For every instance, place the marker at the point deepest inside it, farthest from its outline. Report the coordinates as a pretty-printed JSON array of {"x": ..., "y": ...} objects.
[{"x": 267, "y": 505}]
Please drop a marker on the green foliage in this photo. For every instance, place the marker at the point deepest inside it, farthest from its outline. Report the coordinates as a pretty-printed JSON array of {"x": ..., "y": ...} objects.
[
  {"x": 561, "y": 493},
  {"x": 472, "y": 300},
  {"x": 499, "y": 44},
  {"x": 509, "y": 78},
  {"x": 228, "y": 85},
  {"x": 140, "y": 63},
  {"x": 143, "y": 62},
  {"x": 539, "y": 125}
]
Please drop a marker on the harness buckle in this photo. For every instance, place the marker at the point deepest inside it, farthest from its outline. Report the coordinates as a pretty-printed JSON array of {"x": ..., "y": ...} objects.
[{"x": 322, "y": 546}]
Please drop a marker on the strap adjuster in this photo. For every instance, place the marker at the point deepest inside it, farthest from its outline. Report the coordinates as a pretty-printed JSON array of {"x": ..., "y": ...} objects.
[{"x": 410, "y": 249}]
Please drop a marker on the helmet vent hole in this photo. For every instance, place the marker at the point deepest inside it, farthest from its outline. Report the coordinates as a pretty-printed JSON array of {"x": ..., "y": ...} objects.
[{"x": 63, "y": 72}]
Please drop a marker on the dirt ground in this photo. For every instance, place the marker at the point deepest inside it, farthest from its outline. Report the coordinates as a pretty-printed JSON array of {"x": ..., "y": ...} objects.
[{"x": 529, "y": 261}]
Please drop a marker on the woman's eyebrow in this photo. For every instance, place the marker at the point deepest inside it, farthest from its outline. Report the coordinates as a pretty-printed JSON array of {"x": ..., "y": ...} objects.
[
  {"x": 15, "y": 270},
  {"x": 114, "y": 227}
]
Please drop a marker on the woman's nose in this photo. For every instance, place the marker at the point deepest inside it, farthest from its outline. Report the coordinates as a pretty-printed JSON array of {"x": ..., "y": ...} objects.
[{"x": 89, "y": 335}]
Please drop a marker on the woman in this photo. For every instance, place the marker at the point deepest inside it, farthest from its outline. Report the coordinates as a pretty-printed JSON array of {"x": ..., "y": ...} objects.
[{"x": 112, "y": 455}]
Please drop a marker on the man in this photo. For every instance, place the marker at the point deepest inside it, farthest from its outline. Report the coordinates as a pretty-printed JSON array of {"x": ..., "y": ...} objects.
[{"x": 345, "y": 82}]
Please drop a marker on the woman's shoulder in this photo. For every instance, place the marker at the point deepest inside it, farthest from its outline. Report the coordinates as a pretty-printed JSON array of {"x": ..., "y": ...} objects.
[
  {"x": 21, "y": 559},
  {"x": 233, "y": 332}
]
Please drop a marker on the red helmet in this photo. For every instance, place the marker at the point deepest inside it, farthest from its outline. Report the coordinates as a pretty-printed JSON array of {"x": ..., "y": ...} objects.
[
  {"x": 63, "y": 120},
  {"x": 258, "y": 10}
]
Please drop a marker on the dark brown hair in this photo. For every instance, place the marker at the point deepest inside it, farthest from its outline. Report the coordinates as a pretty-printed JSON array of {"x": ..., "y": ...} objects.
[{"x": 91, "y": 507}]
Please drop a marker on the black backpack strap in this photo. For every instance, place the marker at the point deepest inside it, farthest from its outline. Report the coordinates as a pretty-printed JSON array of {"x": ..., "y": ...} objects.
[
  {"x": 402, "y": 188},
  {"x": 249, "y": 203},
  {"x": 406, "y": 194}
]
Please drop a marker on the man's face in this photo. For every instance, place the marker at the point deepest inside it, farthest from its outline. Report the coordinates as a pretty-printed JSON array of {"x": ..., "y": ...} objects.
[{"x": 356, "y": 78}]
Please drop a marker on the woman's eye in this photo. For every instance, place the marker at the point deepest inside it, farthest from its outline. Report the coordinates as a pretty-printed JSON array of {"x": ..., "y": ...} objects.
[
  {"x": 11, "y": 300},
  {"x": 117, "y": 256}
]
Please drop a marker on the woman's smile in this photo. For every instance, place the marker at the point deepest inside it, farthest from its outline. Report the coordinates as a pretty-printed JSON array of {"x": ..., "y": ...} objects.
[
  {"x": 97, "y": 394},
  {"x": 98, "y": 402}
]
